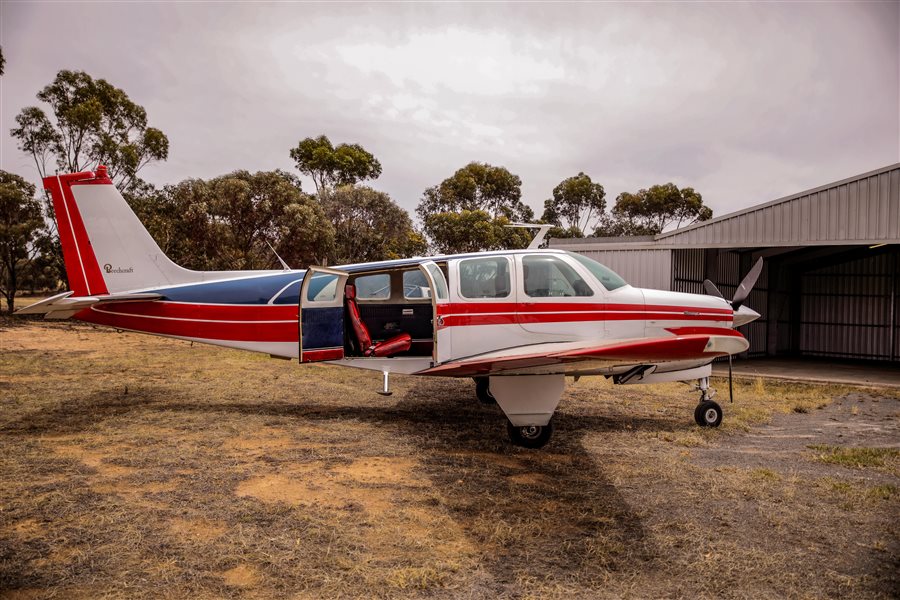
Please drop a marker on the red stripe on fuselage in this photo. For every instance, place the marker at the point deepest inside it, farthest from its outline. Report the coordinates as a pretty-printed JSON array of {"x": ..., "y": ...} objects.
[
  {"x": 268, "y": 323},
  {"x": 209, "y": 312}
]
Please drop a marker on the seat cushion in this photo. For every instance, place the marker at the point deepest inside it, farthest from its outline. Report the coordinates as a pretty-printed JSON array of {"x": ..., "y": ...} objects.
[{"x": 394, "y": 345}]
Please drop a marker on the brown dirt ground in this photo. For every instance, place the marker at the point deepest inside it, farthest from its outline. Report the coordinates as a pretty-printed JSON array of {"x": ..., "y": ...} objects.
[{"x": 133, "y": 466}]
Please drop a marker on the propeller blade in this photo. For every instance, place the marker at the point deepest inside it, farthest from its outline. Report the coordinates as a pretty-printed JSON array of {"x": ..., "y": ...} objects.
[
  {"x": 711, "y": 289},
  {"x": 747, "y": 285},
  {"x": 730, "y": 382}
]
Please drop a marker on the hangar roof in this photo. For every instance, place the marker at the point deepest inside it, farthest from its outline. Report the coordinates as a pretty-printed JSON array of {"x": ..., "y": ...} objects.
[{"x": 860, "y": 210}]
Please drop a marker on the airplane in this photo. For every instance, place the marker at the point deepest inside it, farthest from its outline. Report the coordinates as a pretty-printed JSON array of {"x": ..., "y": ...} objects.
[{"x": 518, "y": 322}]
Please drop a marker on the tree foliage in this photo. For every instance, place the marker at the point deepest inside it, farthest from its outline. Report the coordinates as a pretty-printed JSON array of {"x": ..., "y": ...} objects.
[
  {"x": 478, "y": 186},
  {"x": 469, "y": 210},
  {"x": 369, "y": 226},
  {"x": 21, "y": 229},
  {"x": 473, "y": 231},
  {"x": 652, "y": 211},
  {"x": 576, "y": 206},
  {"x": 329, "y": 166},
  {"x": 225, "y": 223},
  {"x": 91, "y": 122}
]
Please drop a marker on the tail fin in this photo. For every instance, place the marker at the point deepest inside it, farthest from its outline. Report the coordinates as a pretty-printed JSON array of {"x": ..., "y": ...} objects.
[{"x": 105, "y": 247}]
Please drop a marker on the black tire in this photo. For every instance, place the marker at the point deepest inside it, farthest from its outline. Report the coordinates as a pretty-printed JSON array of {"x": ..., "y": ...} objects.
[
  {"x": 531, "y": 436},
  {"x": 708, "y": 414},
  {"x": 483, "y": 391}
]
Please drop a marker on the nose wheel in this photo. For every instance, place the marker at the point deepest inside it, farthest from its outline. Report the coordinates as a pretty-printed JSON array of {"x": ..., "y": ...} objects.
[
  {"x": 530, "y": 436},
  {"x": 707, "y": 413}
]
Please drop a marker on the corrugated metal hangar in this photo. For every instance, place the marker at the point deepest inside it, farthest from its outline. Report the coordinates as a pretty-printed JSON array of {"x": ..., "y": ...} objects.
[{"x": 831, "y": 282}]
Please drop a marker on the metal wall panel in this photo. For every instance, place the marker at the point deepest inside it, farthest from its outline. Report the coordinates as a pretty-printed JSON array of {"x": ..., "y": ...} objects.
[
  {"x": 641, "y": 268},
  {"x": 849, "y": 310}
]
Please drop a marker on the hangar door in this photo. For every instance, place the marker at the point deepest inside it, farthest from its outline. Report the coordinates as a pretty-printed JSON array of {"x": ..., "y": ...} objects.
[{"x": 850, "y": 309}]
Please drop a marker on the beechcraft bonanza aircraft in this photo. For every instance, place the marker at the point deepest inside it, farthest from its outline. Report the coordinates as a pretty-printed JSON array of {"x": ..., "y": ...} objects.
[{"x": 517, "y": 322}]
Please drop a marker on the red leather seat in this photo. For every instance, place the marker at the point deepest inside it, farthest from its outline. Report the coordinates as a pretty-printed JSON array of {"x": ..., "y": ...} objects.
[{"x": 389, "y": 347}]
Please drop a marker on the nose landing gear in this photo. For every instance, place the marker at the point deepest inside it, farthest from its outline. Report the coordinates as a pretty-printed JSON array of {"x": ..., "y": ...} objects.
[{"x": 708, "y": 413}]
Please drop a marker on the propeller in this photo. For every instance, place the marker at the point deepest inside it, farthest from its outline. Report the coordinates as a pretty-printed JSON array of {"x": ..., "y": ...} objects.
[
  {"x": 740, "y": 296},
  {"x": 744, "y": 289}
]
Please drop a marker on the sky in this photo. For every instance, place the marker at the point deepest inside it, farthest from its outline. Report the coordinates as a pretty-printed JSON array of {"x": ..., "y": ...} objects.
[{"x": 743, "y": 102}]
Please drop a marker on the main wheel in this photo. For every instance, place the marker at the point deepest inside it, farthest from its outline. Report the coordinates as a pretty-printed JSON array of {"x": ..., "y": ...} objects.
[
  {"x": 483, "y": 390},
  {"x": 708, "y": 414},
  {"x": 530, "y": 436}
]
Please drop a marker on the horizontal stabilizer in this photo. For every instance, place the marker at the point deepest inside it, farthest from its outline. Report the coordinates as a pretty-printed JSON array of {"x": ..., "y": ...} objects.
[{"x": 63, "y": 306}]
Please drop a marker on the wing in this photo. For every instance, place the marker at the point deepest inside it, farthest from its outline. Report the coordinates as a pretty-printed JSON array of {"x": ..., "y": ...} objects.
[
  {"x": 63, "y": 306},
  {"x": 686, "y": 344}
]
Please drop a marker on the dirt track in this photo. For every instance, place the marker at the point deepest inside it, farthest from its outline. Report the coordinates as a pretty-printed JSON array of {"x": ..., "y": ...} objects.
[{"x": 139, "y": 467}]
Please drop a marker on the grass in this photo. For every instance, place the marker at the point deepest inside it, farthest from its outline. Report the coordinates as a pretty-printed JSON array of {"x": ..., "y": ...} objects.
[
  {"x": 134, "y": 466},
  {"x": 859, "y": 458}
]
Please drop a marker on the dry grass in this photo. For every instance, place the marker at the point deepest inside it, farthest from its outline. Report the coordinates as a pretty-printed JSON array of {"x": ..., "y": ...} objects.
[
  {"x": 888, "y": 458},
  {"x": 134, "y": 466}
]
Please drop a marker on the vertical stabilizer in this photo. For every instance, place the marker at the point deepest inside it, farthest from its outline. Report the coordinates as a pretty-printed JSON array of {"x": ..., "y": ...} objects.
[{"x": 105, "y": 246}]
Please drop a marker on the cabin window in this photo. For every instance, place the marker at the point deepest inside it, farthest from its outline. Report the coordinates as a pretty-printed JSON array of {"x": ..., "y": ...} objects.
[
  {"x": 415, "y": 285},
  {"x": 548, "y": 276},
  {"x": 373, "y": 287},
  {"x": 484, "y": 278}
]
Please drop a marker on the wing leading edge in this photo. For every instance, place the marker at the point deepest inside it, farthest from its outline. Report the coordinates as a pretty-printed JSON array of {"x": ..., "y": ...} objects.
[{"x": 687, "y": 344}]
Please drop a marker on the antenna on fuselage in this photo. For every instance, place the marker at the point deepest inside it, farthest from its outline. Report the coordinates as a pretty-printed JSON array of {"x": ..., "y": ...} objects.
[
  {"x": 281, "y": 260},
  {"x": 542, "y": 228}
]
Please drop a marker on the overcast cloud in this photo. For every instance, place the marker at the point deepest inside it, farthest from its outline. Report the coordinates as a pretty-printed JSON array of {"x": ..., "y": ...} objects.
[{"x": 746, "y": 103}]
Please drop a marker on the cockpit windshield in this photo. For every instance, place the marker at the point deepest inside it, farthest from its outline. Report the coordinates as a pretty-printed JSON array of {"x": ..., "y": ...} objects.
[{"x": 606, "y": 276}]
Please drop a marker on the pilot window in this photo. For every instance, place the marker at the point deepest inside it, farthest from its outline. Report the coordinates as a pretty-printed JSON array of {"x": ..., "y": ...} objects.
[
  {"x": 484, "y": 278},
  {"x": 548, "y": 276},
  {"x": 373, "y": 287}
]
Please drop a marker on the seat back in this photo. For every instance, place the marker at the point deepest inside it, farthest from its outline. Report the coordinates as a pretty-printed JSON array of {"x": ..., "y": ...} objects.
[{"x": 359, "y": 328}]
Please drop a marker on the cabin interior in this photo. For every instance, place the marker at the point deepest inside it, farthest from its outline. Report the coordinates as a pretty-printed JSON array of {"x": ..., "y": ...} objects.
[{"x": 389, "y": 313}]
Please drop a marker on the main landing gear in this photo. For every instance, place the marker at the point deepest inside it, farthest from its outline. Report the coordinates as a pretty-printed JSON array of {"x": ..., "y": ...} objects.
[
  {"x": 707, "y": 413},
  {"x": 483, "y": 390},
  {"x": 528, "y": 403}
]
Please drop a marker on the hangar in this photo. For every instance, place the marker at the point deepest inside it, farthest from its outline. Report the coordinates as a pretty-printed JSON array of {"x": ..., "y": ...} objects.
[{"x": 830, "y": 286}]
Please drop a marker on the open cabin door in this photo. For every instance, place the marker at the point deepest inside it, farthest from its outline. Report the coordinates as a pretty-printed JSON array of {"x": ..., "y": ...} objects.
[
  {"x": 440, "y": 296},
  {"x": 322, "y": 315}
]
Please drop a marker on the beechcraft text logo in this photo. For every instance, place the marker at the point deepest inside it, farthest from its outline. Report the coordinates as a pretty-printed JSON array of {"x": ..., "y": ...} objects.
[{"x": 111, "y": 269}]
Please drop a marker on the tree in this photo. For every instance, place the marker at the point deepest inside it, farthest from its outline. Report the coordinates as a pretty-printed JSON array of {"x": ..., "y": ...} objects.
[
  {"x": 478, "y": 186},
  {"x": 577, "y": 204},
  {"x": 2, "y": 62},
  {"x": 227, "y": 222},
  {"x": 652, "y": 211},
  {"x": 473, "y": 231},
  {"x": 93, "y": 122},
  {"x": 469, "y": 210},
  {"x": 369, "y": 226},
  {"x": 21, "y": 226},
  {"x": 347, "y": 164}
]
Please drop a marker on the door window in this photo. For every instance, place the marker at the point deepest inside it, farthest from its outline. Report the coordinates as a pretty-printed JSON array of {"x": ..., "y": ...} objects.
[
  {"x": 549, "y": 276},
  {"x": 322, "y": 288}
]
